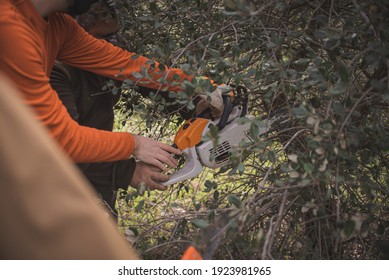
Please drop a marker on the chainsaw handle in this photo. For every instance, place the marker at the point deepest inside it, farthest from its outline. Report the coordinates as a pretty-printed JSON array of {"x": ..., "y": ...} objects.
[
  {"x": 242, "y": 94},
  {"x": 226, "y": 112},
  {"x": 191, "y": 168}
]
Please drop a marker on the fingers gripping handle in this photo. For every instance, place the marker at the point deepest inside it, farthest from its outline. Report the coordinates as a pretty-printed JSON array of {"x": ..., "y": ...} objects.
[{"x": 191, "y": 168}]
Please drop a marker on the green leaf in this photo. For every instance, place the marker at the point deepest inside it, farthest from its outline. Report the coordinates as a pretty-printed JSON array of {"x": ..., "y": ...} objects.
[
  {"x": 338, "y": 89},
  {"x": 233, "y": 199},
  {"x": 131, "y": 196},
  {"x": 211, "y": 215},
  {"x": 272, "y": 156},
  {"x": 254, "y": 130},
  {"x": 172, "y": 94},
  {"x": 151, "y": 63},
  {"x": 302, "y": 61},
  {"x": 128, "y": 82},
  {"x": 199, "y": 223},
  {"x": 233, "y": 223},
  {"x": 292, "y": 73},
  {"x": 144, "y": 18},
  {"x": 216, "y": 195},
  {"x": 214, "y": 53},
  {"x": 349, "y": 228},
  {"x": 235, "y": 51},
  {"x": 162, "y": 67},
  {"x": 270, "y": 45},
  {"x": 213, "y": 134},
  {"x": 176, "y": 77},
  {"x": 320, "y": 34},
  {"x": 343, "y": 71},
  {"x": 308, "y": 168},
  {"x": 240, "y": 167},
  {"x": 134, "y": 230},
  {"x": 137, "y": 75},
  {"x": 190, "y": 106},
  {"x": 300, "y": 112},
  {"x": 210, "y": 185},
  {"x": 140, "y": 205}
]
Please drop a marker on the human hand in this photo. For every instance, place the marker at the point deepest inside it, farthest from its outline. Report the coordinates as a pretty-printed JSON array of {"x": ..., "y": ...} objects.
[
  {"x": 213, "y": 101},
  {"x": 155, "y": 153},
  {"x": 148, "y": 175}
]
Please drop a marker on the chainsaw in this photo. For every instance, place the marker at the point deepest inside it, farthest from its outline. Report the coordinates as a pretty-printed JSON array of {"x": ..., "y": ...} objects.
[{"x": 199, "y": 151}]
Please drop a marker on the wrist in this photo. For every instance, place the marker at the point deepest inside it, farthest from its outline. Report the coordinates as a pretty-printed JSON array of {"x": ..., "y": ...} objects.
[
  {"x": 136, "y": 143},
  {"x": 134, "y": 177}
]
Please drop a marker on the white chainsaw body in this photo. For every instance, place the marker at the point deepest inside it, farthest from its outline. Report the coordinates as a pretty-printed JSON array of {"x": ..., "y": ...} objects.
[{"x": 206, "y": 154}]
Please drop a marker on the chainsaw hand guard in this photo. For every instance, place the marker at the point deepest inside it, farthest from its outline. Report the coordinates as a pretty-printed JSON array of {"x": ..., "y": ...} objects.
[{"x": 191, "y": 168}]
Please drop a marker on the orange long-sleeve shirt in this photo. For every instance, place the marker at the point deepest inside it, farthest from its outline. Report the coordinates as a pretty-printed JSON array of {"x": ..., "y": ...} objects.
[{"x": 29, "y": 45}]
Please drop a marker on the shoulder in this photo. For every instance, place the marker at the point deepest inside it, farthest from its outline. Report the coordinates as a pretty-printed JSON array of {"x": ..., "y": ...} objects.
[
  {"x": 61, "y": 22},
  {"x": 61, "y": 18},
  {"x": 68, "y": 33},
  {"x": 10, "y": 15},
  {"x": 17, "y": 36},
  {"x": 7, "y": 8}
]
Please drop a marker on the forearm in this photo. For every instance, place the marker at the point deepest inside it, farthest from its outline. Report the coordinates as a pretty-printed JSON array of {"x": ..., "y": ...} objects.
[{"x": 85, "y": 52}]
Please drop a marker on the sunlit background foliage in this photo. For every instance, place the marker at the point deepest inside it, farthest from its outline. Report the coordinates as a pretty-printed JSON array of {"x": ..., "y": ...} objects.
[{"x": 316, "y": 189}]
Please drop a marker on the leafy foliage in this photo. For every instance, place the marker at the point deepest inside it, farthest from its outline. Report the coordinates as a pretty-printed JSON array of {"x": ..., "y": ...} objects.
[{"x": 315, "y": 190}]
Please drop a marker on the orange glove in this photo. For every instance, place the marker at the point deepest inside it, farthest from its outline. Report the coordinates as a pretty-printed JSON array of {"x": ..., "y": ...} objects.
[{"x": 191, "y": 254}]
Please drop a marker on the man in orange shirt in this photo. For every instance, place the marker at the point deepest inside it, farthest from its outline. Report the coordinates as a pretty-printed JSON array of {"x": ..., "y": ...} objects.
[
  {"x": 81, "y": 93},
  {"x": 37, "y": 32}
]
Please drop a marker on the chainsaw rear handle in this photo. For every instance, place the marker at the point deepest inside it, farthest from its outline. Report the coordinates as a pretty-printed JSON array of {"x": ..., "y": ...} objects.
[
  {"x": 226, "y": 112},
  {"x": 242, "y": 94},
  {"x": 241, "y": 97}
]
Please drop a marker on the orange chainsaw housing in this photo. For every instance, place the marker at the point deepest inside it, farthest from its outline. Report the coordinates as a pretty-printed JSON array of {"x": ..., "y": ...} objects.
[{"x": 190, "y": 133}]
